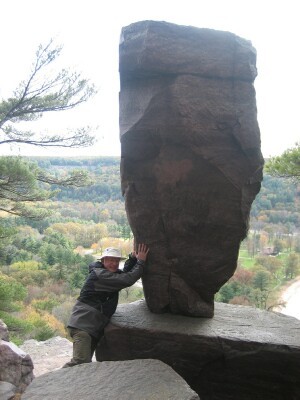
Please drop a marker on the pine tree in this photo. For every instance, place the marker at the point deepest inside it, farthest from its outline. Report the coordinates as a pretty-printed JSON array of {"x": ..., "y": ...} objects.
[{"x": 24, "y": 186}]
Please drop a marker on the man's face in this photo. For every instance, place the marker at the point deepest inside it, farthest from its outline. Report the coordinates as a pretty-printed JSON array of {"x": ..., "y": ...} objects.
[{"x": 111, "y": 263}]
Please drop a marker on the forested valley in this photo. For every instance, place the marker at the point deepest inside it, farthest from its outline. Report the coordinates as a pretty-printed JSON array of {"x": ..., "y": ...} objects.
[{"x": 44, "y": 262}]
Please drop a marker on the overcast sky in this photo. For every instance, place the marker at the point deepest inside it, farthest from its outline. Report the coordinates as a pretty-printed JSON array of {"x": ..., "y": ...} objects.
[{"x": 89, "y": 30}]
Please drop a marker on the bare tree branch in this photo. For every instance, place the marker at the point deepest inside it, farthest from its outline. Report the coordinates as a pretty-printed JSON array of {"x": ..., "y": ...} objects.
[{"x": 42, "y": 93}]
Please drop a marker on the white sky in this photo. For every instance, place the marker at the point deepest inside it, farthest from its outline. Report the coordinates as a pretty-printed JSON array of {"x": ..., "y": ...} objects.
[{"x": 89, "y": 31}]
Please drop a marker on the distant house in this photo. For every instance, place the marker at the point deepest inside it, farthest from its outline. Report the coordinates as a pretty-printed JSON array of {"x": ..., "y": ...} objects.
[{"x": 270, "y": 251}]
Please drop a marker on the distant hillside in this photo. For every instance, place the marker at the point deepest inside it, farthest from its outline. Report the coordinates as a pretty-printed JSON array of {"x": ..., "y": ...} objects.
[
  {"x": 105, "y": 172},
  {"x": 277, "y": 202}
]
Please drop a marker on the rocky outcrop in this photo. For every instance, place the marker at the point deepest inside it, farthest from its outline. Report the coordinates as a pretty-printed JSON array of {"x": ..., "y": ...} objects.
[
  {"x": 19, "y": 365},
  {"x": 125, "y": 380},
  {"x": 48, "y": 355},
  {"x": 3, "y": 331},
  {"x": 16, "y": 368},
  {"x": 240, "y": 353},
  {"x": 7, "y": 391},
  {"x": 191, "y": 163}
]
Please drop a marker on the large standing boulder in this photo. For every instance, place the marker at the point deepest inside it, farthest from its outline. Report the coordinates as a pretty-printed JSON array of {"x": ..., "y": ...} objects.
[{"x": 191, "y": 163}]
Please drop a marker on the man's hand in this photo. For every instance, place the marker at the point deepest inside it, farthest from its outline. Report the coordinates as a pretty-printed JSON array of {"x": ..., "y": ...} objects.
[{"x": 142, "y": 252}]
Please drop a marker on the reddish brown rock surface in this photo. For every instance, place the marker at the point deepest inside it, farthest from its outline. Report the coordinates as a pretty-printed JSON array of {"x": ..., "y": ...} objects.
[{"x": 191, "y": 161}]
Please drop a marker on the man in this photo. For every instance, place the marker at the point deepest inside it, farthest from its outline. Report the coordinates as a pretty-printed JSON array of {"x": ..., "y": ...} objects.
[{"x": 99, "y": 297}]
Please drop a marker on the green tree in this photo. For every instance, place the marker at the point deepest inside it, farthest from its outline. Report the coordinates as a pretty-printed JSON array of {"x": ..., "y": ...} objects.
[
  {"x": 19, "y": 188},
  {"x": 261, "y": 289},
  {"x": 23, "y": 183},
  {"x": 10, "y": 291},
  {"x": 227, "y": 292},
  {"x": 292, "y": 266},
  {"x": 77, "y": 279},
  {"x": 31, "y": 265},
  {"x": 261, "y": 280},
  {"x": 278, "y": 245},
  {"x": 57, "y": 238},
  {"x": 31, "y": 277},
  {"x": 287, "y": 165},
  {"x": 271, "y": 264},
  {"x": 59, "y": 272},
  {"x": 22, "y": 255},
  {"x": 7, "y": 253},
  {"x": 260, "y": 298}
]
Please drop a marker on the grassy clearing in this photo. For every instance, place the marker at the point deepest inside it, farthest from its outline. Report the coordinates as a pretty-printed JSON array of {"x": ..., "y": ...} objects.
[{"x": 245, "y": 260}]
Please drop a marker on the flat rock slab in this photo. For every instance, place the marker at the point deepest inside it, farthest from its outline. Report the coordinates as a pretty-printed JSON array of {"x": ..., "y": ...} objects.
[
  {"x": 241, "y": 353},
  {"x": 124, "y": 380}
]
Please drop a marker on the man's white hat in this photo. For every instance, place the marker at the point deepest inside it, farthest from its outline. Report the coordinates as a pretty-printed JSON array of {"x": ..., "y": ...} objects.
[{"x": 111, "y": 252}]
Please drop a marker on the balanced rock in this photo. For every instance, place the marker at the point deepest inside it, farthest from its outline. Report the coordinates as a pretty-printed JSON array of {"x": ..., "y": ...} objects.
[
  {"x": 191, "y": 163},
  {"x": 240, "y": 353},
  {"x": 124, "y": 380}
]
